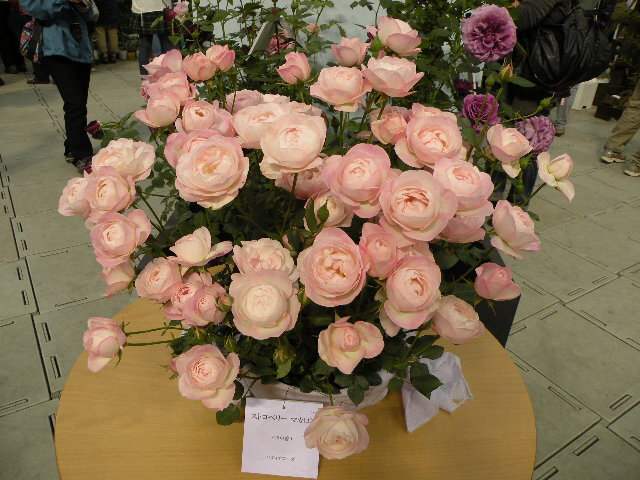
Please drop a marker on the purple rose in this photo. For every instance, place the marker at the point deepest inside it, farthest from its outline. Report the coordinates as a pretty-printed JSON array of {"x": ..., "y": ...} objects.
[
  {"x": 462, "y": 86},
  {"x": 169, "y": 15},
  {"x": 480, "y": 110},
  {"x": 539, "y": 131},
  {"x": 94, "y": 129},
  {"x": 489, "y": 33}
]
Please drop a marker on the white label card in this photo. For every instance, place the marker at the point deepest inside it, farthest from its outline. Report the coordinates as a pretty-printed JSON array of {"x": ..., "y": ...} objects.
[{"x": 274, "y": 438}]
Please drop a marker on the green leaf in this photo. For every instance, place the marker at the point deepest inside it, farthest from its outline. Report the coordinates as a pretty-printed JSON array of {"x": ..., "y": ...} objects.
[
  {"x": 294, "y": 239},
  {"x": 321, "y": 368},
  {"x": 464, "y": 291},
  {"x": 361, "y": 381},
  {"x": 323, "y": 213},
  {"x": 284, "y": 369},
  {"x": 239, "y": 390},
  {"x": 426, "y": 384},
  {"x": 356, "y": 394},
  {"x": 310, "y": 217},
  {"x": 418, "y": 369},
  {"x": 534, "y": 216},
  {"x": 128, "y": 133},
  {"x": 433, "y": 352},
  {"x": 522, "y": 82},
  {"x": 343, "y": 380},
  {"x": 395, "y": 384},
  {"x": 258, "y": 370},
  {"x": 424, "y": 342},
  {"x": 373, "y": 378},
  {"x": 228, "y": 415},
  {"x": 445, "y": 258},
  {"x": 306, "y": 384}
]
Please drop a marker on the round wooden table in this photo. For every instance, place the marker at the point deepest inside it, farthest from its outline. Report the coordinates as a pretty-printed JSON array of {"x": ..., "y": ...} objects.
[{"x": 130, "y": 422}]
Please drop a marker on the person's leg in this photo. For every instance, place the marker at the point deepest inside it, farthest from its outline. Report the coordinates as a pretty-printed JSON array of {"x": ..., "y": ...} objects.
[
  {"x": 101, "y": 39},
  {"x": 563, "y": 110},
  {"x": 40, "y": 74},
  {"x": 113, "y": 39},
  {"x": 6, "y": 44},
  {"x": 624, "y": 130},
  {"x": 165, "y": 43},
  {"x": 633, "y": 169},
  {"x": 143, "y": 54}
]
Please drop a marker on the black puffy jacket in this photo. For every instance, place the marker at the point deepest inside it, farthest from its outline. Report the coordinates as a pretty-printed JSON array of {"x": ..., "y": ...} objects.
[{"x": 109, "y": 11}]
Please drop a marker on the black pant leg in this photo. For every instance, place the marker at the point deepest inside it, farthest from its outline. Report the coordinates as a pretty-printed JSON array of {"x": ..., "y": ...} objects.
[{"x": 40, "y": 71}]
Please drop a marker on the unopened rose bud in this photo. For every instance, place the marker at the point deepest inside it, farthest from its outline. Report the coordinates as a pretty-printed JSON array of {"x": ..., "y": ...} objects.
[
  {"x": 490, "y": 81},
  {"x": 545, "y": 103},
  {"x": 224, "y": 303},
  {"x": 506, "y": 74},
  {"x": 169, "y": 15}
]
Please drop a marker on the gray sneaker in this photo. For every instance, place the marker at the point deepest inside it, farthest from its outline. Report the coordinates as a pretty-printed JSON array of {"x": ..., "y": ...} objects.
[
  {"x": 633, "y": 170},
  {"x": 609, "y": 156}
]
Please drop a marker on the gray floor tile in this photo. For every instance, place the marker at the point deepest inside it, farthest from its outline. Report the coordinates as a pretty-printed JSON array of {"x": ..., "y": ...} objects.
[
  {"x": 597, "y": 455},
  {"x": 22, "y": 376},
  {"x": 533, "y": 298},
  {"x": 623, "y": 219},
  {"x": 26, "y": 173},
  {"x": 586, "y": 200},
  {"x": 628, "y": 427},
  {"x": 6, "y": 207},
  {"x": 581, "y": 358},
  {"x": 48, "y": 231},
  {"x": 37, "y": 197},
  {"x": 551, "y": 215},
  {"x": 611, "y": 181},
  {"x": 632, "y": 272},
  {"x": 26, "y": 444},
  {"x": 8, "y": 252},
  {"x": 16, "y": 294}
]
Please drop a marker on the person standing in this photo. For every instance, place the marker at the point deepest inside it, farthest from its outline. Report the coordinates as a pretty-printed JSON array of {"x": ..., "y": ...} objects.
[
  {"x": 107, "y": 29},
  {"x": 143, "y": 14},
  {"x": 9, "y": 42},
  {"x": 563, "y": 110},
  {"x": 68, "y": 56}
]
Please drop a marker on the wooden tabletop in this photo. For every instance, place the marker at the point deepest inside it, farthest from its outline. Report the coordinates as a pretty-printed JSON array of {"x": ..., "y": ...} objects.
[{"x": 130, "y": 422}]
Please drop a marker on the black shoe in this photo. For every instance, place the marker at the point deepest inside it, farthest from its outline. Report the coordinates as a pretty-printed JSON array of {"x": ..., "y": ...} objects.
[
  {"x": 11, "y": 69},
  {"x": 83, "y": 165},
  {"x": 104, "y": 58},
  {"x": 1, "y": 82},
  {"x": 38, "y": 81},
  {"x": 22, "y": 68},
  {"x": 113, "y": 57},
  {"x": 68, "y": 157}
]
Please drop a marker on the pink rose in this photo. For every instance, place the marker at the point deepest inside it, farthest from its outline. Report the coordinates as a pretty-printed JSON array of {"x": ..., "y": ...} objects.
[
  {"x": 115, "y": 237},
  {"x": 495, "y": 282},
  {"x": 350, "y": 52},
  {"x": 309, "y": 183},
  {"x": 464, "y": 229},
  {"x": 508, "y": 145},
  {"x": 107, "y": 191},
  {"x": 236, "y": 101},
  {"x": 413, "y": 292},
  {"x": 206, "y": 375},
  {"x": 292, "y": 144},
  {"x": 297, "y": 107},
  {"x": 340, "y": 214},
  {"x": 103, "y": 340},
  {"x": 183, "y": 292},
  {"x": 471, "y": 186},
  {"x": 392, "y": 76},
  {"x": 343, "y": 344},
  {"x": 380, "y": 250},
  {"x": 181, "y": 9},
  {"x": 356, "y": 177},
  {"x": 117, "y": 278},
  {"x": 275, "y": 98},
  {"x": 430, "y": 137},
  {"x": 162, "y": 110},
  {"x": 398, "y": 36},
  {"x": 337, "y": 433},
  {"x": 332, "y": 269},
  {"x": 556, "y": 172},
  {"x": 158, "y": 280},
  {"x": 342, "y": 87},
  {"x": 180, "y": 142},
  {"x": 264, "y": 254},
  {"x": 195, "y": 249},
  {"x": 202, "y": 307},
  {"x": 514, "y": 230},
  {"x": 128, "y": 157},
  {"x": 213, "y": 173},
  {"x": 176, "y": 84},
  {"x": 200, "y": 115},
  {"x": 265, "y": 303},
  {"x": 391, "y": 126},
  {"x": 221, "y": 56},
  {"x": 295, "y": 69},
  {"x": 457, "y": 321},
  {"x": 198, "y": 67},
  {"x": 252, "y": 121},
  {"x": 72, "y": 201},
  {"x": 417, "y": 204},
  {"x": 170, "y": 62}
]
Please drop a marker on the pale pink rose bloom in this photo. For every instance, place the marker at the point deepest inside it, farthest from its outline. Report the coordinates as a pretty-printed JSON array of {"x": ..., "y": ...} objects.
[
  {"x": 457, "y": 321},
  {"x": 508, "y": 145},
  {"x": 297, "y": 107},
  {"x": 380, "y": 250},
  {"x": 514, "y": 230},
  {"x": 115, "y": 237},
  {"x": 309, "y": 183},
  {"x": 252, "y": 121},
  {"x": 108, "y": 191},
  {"x": 183, "y": 292},
  {"x": 117, "y": 278},
  {"x": 555, "y": 173},
  {"x": 418, "y": 110},
  {"x": 170, "y": 62},
  {"x": 464, "y": 229},
  {"x": 72, "y": 201},
  {"x": 292, "y": 144},
  {"x": 103, "y": 340},
  {"x": 181, "y": 9},
  {"x": 221, "y": 56},
  {"x": 398, "y": 36},
  {"x": 162, "y": 110},
  {"x": 430, "y": 137},
  {"x": 337, "y": 433},
  {"x": 417, "y": 204},
  {"x": 295, "y": 69},
  {"x": 265, "y": 303},
  {"x": 206, "y": 375},
  {"x": 145, "y": 90},
  {"x": 201, "y": 115},
  {"x": 413, "y": 292},
  {"x": 350, "y": 52},
  {"x": 180, "y": 142},
  {"x": 343, "y": 87},
  {"x": 128, "y": 157},
  {"x": 471, "y": 186},
  {"x": 195, "y": 249},
  {"x": 343, "y": 344},
  {"x": 201, "y": 308},
  {"x": 340, "y": 214},
  {"x": 356, "y": 177},
  {"x": 264, "y": 254},
  {"x": 495, "y": 282},
  {"x": 236, "y": 101},
  {"x": 176, "y": 84},
  {"x": 275, "y": 98},
  {"x": 392, "y": 76},
  {"x": 420, "y": 249},
  {"x": 158, "y": 280},
  {"x": 213, "y": 173},
  {"x": 391, "y": 126},
  {"x": 332, "y": 269},
  {"x": 198, "y": 67}
]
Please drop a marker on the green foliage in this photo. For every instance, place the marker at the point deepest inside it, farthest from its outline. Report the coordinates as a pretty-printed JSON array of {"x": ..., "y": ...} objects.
[{"x": 228, "y": 415}]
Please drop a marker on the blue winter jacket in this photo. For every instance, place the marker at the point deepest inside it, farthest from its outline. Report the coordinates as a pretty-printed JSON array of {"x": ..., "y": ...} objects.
[{"x": 58, "y": 15}]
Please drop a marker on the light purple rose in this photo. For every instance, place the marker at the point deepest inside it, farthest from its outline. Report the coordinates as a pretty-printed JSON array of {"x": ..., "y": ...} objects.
[
  {"x": 480, "y": 110},
  {"x": 489, "y": 33},
  {"x": 539, "y": 131}
]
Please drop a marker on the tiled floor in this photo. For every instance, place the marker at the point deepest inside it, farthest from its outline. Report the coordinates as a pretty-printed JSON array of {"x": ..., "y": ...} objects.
[{"x": 576, "y": 338}]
